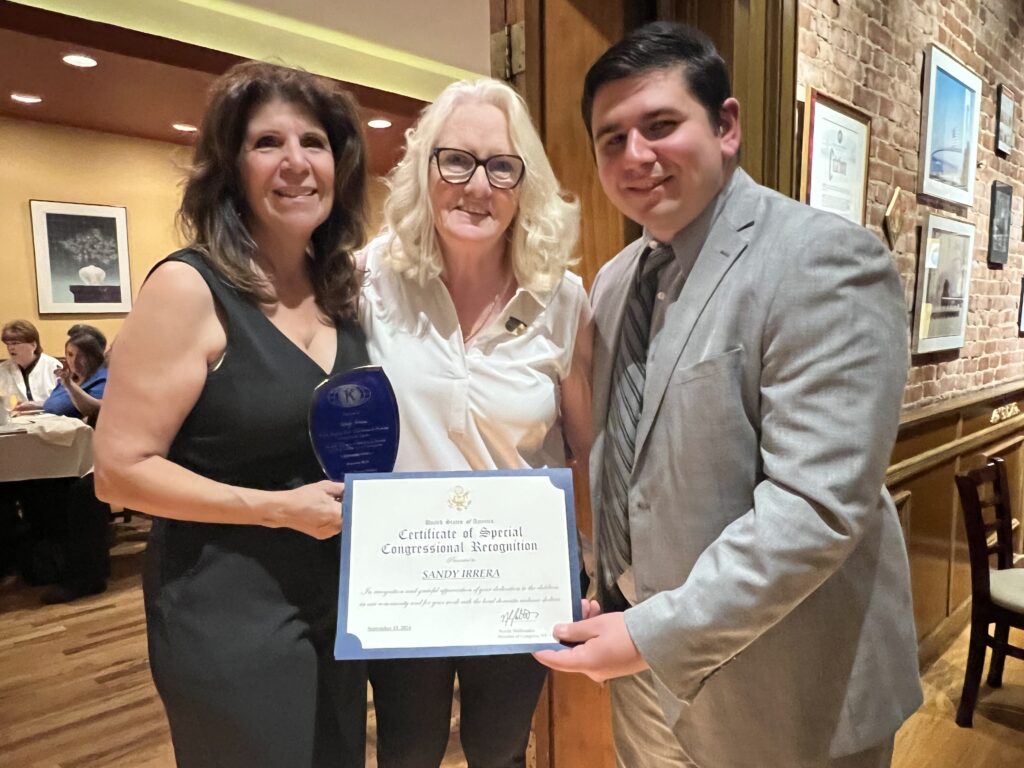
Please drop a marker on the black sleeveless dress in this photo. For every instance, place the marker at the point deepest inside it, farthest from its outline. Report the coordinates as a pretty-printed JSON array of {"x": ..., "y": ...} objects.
[{"x": 241, "y": 617}]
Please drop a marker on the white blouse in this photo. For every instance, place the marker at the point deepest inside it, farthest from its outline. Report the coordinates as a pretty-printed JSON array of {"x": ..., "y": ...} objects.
[
  {"x": 495, "y": 405},
  {"x": 42, "y": 379}
]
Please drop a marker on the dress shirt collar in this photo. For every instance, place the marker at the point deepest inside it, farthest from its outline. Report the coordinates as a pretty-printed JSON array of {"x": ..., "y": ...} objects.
[{"x": 688, "y": 241}]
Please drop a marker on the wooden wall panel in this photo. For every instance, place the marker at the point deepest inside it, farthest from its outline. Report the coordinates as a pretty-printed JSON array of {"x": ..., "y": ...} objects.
[
  {"x": 934, "y": 444},
  {"x": 757, "y": 40},
  {"x": 576, "y": 32},
  {"x": 918, "y": 438},
  {"x": 928, "y": 542}
]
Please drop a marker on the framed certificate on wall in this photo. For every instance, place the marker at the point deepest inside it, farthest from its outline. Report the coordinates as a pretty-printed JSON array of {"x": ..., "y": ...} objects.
[{"x": 837, "y": 141}]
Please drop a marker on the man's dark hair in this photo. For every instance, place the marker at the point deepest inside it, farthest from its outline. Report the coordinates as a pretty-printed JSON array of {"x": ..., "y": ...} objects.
[{"x": 658, "y": 46}]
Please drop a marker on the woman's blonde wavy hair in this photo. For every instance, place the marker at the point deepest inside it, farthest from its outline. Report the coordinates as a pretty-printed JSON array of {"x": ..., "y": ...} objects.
[{"x": 546, "y": 226}]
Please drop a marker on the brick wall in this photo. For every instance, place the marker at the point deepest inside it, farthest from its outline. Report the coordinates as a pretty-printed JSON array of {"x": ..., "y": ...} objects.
[{"x": 870, "y": 53}]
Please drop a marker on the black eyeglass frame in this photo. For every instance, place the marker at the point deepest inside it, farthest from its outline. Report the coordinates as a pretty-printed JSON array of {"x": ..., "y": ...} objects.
[{"x": 477, "y": 162}]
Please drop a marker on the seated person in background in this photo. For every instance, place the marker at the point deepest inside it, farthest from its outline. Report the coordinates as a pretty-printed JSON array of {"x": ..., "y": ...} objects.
[
  {"x": 82, "y": 379},
  {"x": 86, "y": 551},
  {"x": 27, "y": 377},
  {"x": 87, "y": 555},
  {"x": 63, "y": 522},
  {"x": 29, "y": 373}
]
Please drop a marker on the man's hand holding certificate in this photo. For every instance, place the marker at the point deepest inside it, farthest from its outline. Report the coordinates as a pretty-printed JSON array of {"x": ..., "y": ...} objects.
[{"x": 456, "y": 563}]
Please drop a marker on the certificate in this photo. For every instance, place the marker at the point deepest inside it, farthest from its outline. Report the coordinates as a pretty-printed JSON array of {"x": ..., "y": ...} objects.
[
  {"x": 456, "y": 563},
  {"x": 835, "y": 169}
]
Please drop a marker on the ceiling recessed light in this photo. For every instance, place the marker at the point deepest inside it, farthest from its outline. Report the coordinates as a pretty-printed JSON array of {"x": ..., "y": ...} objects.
[
  {"x": 379, "y": 122},
  {"x": 26, "y": 98},
  {"x": 184, "y": 127},
  {"x": 80, "y": 60}
]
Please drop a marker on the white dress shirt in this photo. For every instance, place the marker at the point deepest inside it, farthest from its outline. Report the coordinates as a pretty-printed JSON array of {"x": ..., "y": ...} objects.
[
  {"x": 42, "y": 379},
  {"x": 493, "y": 405}
]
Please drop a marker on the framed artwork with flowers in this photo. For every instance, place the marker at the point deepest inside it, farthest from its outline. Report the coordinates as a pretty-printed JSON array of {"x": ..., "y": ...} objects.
[{"x": 81, "y": 254}]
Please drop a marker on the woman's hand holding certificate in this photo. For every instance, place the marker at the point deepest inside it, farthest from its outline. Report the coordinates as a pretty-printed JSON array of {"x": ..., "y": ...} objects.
[{"x": 456, "y": 563}]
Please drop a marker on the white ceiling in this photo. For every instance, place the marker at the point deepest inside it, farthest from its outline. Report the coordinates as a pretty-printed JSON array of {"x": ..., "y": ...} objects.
[
  {"x": 410, "y": 47},
  {"x": 455, "y": 32}
]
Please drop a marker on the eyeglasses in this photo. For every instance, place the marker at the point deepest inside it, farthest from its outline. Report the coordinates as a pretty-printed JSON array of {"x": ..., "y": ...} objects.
[{"x": 457, "y": 166}]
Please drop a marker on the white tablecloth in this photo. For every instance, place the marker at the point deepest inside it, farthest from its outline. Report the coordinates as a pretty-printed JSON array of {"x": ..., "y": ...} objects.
[{"x": 42, "y": 445}]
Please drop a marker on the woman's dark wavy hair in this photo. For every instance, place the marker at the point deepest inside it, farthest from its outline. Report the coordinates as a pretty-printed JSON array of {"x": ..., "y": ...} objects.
[
  {"x": 656, "y": 46},
  {"x": 213, "y": 206},
  {"x": 88, "y": 346},
  {"x": 92, "y": 330}
]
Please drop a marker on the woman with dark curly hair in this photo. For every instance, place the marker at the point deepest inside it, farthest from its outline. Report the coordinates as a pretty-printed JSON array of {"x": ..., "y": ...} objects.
[
  {"x": 204, "y": 427},
  {"x": 81, "y": 381}
]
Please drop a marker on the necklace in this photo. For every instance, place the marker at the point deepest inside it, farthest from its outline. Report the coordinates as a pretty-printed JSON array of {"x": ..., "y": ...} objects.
[{"x": 487, "y": 313}]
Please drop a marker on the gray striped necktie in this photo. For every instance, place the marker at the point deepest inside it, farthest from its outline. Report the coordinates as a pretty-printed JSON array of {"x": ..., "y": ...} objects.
[{"x": 625, "y": 404}]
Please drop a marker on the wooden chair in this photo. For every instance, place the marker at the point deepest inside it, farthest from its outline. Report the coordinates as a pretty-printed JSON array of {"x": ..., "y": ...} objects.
[{"x": 997, "y": 594}]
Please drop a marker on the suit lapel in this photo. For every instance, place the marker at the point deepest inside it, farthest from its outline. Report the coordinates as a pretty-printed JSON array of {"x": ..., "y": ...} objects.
[
  {"x": 612, "y": 308},
  {"x": 725, "y": 242}
]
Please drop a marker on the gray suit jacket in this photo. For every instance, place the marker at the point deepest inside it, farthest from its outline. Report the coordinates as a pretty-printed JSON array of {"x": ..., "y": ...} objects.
[{"x": 769, "y": 562}]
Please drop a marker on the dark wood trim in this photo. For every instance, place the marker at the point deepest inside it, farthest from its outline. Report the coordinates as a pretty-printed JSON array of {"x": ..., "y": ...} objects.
[
  {"x": 759, "y": 44},
  {"x": 922, "y": 462},
  {"x": 780, "y": 94},
  {"x": 938, "y": 410},
  {"x": 529, "y": 83}
]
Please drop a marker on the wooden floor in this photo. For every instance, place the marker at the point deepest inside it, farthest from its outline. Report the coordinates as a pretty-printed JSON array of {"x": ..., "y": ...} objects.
[
  {"x": 931, "y": 739},
  {"x": 75, "y": 690}
]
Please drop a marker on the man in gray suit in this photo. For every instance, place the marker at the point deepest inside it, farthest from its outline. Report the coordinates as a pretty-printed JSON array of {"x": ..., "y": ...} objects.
[{"x": 747, "y": 382}]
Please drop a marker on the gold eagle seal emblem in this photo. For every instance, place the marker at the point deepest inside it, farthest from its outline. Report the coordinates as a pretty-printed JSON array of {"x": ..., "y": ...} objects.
[{"x": 458, "y": 499}]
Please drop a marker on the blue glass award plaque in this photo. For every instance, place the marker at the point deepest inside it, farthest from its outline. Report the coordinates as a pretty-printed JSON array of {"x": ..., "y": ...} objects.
[{"x": 353, "y": 423}]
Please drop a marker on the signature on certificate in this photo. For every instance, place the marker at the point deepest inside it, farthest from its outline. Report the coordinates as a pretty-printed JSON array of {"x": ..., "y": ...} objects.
[{"x": 517, "y": 615}]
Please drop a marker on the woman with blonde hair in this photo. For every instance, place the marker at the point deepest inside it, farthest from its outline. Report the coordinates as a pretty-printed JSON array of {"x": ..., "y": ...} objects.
[{"x": 470, "y": 309}]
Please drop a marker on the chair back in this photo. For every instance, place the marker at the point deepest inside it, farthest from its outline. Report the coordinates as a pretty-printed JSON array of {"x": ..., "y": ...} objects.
[{"x": 985, "y": 500}]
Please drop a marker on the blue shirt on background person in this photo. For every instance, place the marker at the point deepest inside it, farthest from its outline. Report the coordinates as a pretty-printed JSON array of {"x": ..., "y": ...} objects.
[{"x": 59, "y": 401}]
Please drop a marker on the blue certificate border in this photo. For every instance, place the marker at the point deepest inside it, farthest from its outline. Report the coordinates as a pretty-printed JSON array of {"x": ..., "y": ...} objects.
[{"x": 348, "y": 646}]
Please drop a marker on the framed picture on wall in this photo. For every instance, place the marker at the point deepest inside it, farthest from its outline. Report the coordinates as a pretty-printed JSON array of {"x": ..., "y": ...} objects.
[
  {"x": 81, "y": 258},
  {"x": 1020, "y": 310},
  {"x": 836, "y": 144},
  {"x": 950, "y": 112},
  {"x": 943, "y": 284},
  {"x": 1004, "y": 120},
  {"x": 999, "y": 224},
  {"x": 892, "y": 222}
]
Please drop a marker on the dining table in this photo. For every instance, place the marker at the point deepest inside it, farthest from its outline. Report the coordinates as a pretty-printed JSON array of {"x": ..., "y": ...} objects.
[{"x": 37, "y": 446}]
